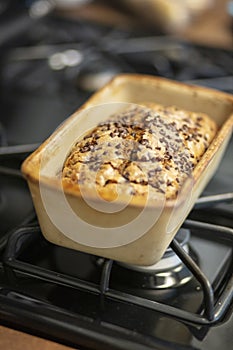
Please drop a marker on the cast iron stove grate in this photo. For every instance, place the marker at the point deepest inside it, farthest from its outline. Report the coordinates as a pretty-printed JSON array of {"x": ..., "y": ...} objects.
[
  {"x": 213, "y": 309},
  {"x": 32, "y": 310}
]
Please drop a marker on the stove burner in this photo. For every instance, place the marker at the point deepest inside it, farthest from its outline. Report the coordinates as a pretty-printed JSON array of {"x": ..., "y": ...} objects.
[
  {"x": 169, "y": 272},
  {"x": 157, "y": 280}
]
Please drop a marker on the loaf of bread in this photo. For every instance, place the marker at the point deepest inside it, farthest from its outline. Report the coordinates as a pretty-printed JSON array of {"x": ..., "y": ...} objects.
[{"x": 147, "y": 148}]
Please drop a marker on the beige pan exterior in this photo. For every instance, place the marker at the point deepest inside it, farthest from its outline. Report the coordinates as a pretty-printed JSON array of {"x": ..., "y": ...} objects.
[{"x": 42, "y": 169}]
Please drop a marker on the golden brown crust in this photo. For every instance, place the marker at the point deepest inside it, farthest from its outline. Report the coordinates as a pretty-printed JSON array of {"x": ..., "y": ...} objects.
[{"x": 144, "y": 149}]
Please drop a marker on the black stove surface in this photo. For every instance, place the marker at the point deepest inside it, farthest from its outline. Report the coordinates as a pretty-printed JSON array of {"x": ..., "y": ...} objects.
[{"x": 69, "y": 296}]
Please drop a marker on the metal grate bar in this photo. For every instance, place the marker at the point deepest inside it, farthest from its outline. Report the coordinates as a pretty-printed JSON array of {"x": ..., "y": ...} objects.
[
  {"x": 213, "y": 313},
  {"x": 208, "y": 201},
  {"x": 105, "y": 277},
  {"x": 18, "y": 149},
  {"x": 16, "y": 244},
  {"x": 206, "y": 286}
]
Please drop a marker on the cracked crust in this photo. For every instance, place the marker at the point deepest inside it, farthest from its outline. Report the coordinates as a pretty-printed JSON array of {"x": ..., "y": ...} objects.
[{"x": 144, "y": 149}]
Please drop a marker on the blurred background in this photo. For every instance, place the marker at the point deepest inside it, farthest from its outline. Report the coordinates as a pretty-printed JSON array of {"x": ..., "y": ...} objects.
[{"x": 55, "y": 53}]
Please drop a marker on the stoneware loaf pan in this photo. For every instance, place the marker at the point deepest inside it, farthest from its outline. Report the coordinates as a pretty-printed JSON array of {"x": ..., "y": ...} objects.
[{"x": 125, "y": 229}]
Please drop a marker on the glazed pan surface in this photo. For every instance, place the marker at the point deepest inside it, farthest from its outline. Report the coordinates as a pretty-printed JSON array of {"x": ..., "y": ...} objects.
[{"x": 126, "y": 229}]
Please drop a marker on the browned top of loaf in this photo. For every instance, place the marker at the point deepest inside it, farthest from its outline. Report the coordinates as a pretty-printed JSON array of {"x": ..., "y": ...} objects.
[{"x": 144, "y": 149}]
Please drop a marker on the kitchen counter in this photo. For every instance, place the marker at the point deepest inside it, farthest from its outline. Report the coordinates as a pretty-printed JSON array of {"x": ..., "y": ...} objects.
[{"x": 15, "y": 340}]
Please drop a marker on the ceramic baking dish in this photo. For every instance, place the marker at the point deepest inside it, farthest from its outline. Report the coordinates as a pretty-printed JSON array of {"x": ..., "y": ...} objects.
[{"x": 131, "y": 231}]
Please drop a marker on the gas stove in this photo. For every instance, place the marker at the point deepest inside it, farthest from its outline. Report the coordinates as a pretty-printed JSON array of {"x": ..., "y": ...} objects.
[{"x": 182, "y": 302}]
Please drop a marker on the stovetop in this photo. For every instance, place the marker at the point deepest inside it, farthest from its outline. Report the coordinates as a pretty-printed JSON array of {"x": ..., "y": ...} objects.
[{"x": 72, "y": 297}]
